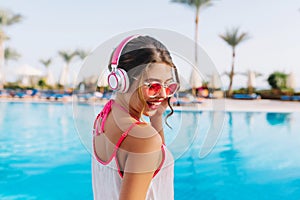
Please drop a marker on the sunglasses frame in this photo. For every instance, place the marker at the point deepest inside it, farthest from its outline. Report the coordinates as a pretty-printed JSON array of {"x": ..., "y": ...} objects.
[{"x": 163, "y": 85}]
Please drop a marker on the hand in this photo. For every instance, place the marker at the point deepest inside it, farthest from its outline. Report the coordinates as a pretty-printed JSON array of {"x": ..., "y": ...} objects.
[
  {"x": 161, "y": 109},
  {"x": 156, "y": 119}
]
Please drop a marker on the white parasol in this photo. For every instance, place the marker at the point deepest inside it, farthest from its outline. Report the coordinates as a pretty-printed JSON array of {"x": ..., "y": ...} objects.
[
  {"x": 215, "y": 81},
  {"x": 195, "y": 79},
  {"x": 50, "y": 78},
  {"x": 27, "y": 70},
  {"x": 291, "y": 81},
  {"x": 27, "y": 73},
  {"x": 63, "y": 79},
  {"x": 2, "y": 79},
  {"x": 102, "y": 81},
  {"x": 251, "y": 79}
]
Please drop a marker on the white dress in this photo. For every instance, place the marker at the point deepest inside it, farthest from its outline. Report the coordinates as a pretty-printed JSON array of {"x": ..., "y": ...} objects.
[{"x": 107, "y": 178}]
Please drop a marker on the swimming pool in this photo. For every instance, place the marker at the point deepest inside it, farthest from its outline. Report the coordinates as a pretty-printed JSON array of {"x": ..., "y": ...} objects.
[{"x": 256, "y": 156}]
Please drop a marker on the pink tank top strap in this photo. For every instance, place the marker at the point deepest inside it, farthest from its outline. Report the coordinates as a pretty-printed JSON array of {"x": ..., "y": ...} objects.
[
  {"x": 162, "y": 160},
  {"x": 123, "y": 136},
  {"x": 117, "y": 146},
  {"x": 102, "y": 116}
]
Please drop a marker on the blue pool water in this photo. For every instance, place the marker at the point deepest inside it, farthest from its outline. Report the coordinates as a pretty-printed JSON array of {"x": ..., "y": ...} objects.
[{"x": 256, "y": 156}]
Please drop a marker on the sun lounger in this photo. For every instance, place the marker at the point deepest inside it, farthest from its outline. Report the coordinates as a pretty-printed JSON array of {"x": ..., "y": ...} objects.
[
  {"x": 295, "y": 98},
  {"x": 290, "y": 98},
  {"x": 186, "y": 101},
  {"x": 53, "y": 96},
  {"x": 26, "y": 94},
  {"x": 246, "y": 96},
  {"x": 285, "y": 98},
  {"x": 3, "y": 94}
]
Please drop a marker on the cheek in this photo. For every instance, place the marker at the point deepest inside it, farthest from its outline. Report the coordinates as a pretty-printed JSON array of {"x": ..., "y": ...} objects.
[
  {"x": 136, "y": 101},
  {"x": 144, "y": 94}
]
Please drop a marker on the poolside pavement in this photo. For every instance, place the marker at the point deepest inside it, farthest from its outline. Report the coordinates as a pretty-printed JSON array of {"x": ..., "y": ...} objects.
[{"x": 261, "y": 105}]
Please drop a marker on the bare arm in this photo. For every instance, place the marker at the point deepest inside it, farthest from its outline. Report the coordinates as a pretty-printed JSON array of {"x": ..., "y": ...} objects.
[
  {"x": 135, "y": 186},
  {"x": 140, "y": 166}
]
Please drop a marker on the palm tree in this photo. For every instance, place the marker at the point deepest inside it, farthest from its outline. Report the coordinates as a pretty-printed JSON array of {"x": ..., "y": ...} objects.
[
  {"x": 46, "y": 63},
  {"x": 11, "y": 54},
  {"x": 49, "y": 79},
  {"x": 233, "y": 38},
  {"x": 67, "y": 57},
  {"x": 7, "y": 18},
  {"x": 198, "y": 5},
  {"x": 81, "y": 53}
]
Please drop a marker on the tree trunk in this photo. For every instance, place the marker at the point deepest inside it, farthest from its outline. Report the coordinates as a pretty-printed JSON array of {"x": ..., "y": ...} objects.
[
  {"x": 194, "y": 90},
  {"x": 196, "y": 37},
  {"x": 231, "y": 73},
  {"x": 2, "y": 78}
]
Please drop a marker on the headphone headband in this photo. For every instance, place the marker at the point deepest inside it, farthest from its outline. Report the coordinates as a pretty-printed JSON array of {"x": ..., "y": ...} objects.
[
  {"x": 118, "y": 79},
  {"x": 118, "y": 51}
]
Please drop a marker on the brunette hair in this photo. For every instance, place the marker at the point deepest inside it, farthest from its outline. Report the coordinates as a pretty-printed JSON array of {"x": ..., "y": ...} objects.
[{"x": 139, "y": 53}]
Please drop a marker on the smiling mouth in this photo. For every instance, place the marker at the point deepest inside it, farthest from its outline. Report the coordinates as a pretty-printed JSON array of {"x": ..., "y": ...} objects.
[{"x": 153, "y": 105}]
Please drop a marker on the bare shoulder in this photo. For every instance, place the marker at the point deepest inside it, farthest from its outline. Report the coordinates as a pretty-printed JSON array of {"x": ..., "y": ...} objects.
[{"x": 143, "y": 138}]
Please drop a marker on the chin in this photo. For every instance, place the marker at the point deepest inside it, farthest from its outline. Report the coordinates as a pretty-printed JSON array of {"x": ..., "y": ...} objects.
[{"x": 150, "y": 113}]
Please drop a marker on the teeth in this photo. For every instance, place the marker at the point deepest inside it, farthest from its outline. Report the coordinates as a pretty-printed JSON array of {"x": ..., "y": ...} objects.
[{"x": 155, "y": 103}]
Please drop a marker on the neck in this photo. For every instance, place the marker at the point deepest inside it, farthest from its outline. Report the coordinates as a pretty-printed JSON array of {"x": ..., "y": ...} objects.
[{"x": 132, "y": 112}]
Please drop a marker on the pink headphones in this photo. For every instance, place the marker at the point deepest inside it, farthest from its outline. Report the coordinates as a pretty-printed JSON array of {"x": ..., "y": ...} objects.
[{"x": 118, "y": 79}]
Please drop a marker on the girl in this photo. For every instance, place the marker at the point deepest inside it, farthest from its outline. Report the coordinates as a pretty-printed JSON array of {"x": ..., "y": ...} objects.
[{"x": 131, "y": 161}]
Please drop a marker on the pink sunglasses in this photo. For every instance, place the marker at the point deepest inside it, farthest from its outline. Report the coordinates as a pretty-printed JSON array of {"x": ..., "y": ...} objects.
[{"x": 154, "y": 88}]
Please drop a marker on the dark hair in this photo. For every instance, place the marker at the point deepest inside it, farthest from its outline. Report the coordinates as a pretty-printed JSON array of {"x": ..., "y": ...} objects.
[{"x": 141, "y": 51}]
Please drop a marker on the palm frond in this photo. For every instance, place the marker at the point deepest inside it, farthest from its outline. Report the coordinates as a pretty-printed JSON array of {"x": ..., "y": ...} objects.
[
  {"x": 258, "y": 74},
  {"x": 232, "y": 36},
  {"x": 8, "y": 18},
  {"x": 81, "y": 53},
  {"x": 198, "y": 4},
  {"x": 225, "y": 73},
  {"x": 11, "y": 54},
  {"x": 46, "y": 63},
  {"x": 67, "y": 56},
  {"x": 228, "y": 73},
  {"x": 3, "y": 36},
  {"x": 14, "y": 19},
  {"x": 240, "y": 73}
]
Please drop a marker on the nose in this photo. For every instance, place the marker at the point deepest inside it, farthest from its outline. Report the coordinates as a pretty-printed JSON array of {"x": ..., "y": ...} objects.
[{"x": 163, "y": 93}]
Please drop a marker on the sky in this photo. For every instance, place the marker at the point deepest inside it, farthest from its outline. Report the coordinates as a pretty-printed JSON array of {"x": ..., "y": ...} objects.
[{"x": 50, "y": 26}]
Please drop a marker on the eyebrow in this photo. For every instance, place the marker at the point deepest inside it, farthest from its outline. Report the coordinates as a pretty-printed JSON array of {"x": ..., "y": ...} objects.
[{"x": 158, "y": 80}]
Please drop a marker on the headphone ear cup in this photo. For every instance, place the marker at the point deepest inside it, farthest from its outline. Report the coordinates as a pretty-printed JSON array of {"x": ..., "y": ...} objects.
[
  {"x": 123, "y": 81},
  {"x": 118, "y": 81},
  {"x": 113, "y": 80}
]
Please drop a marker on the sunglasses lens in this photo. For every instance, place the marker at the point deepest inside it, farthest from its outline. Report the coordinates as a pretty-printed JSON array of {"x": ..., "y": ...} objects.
[
  {"x": 154, "y": 89},
  {"x": 171, "y": 89}
]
